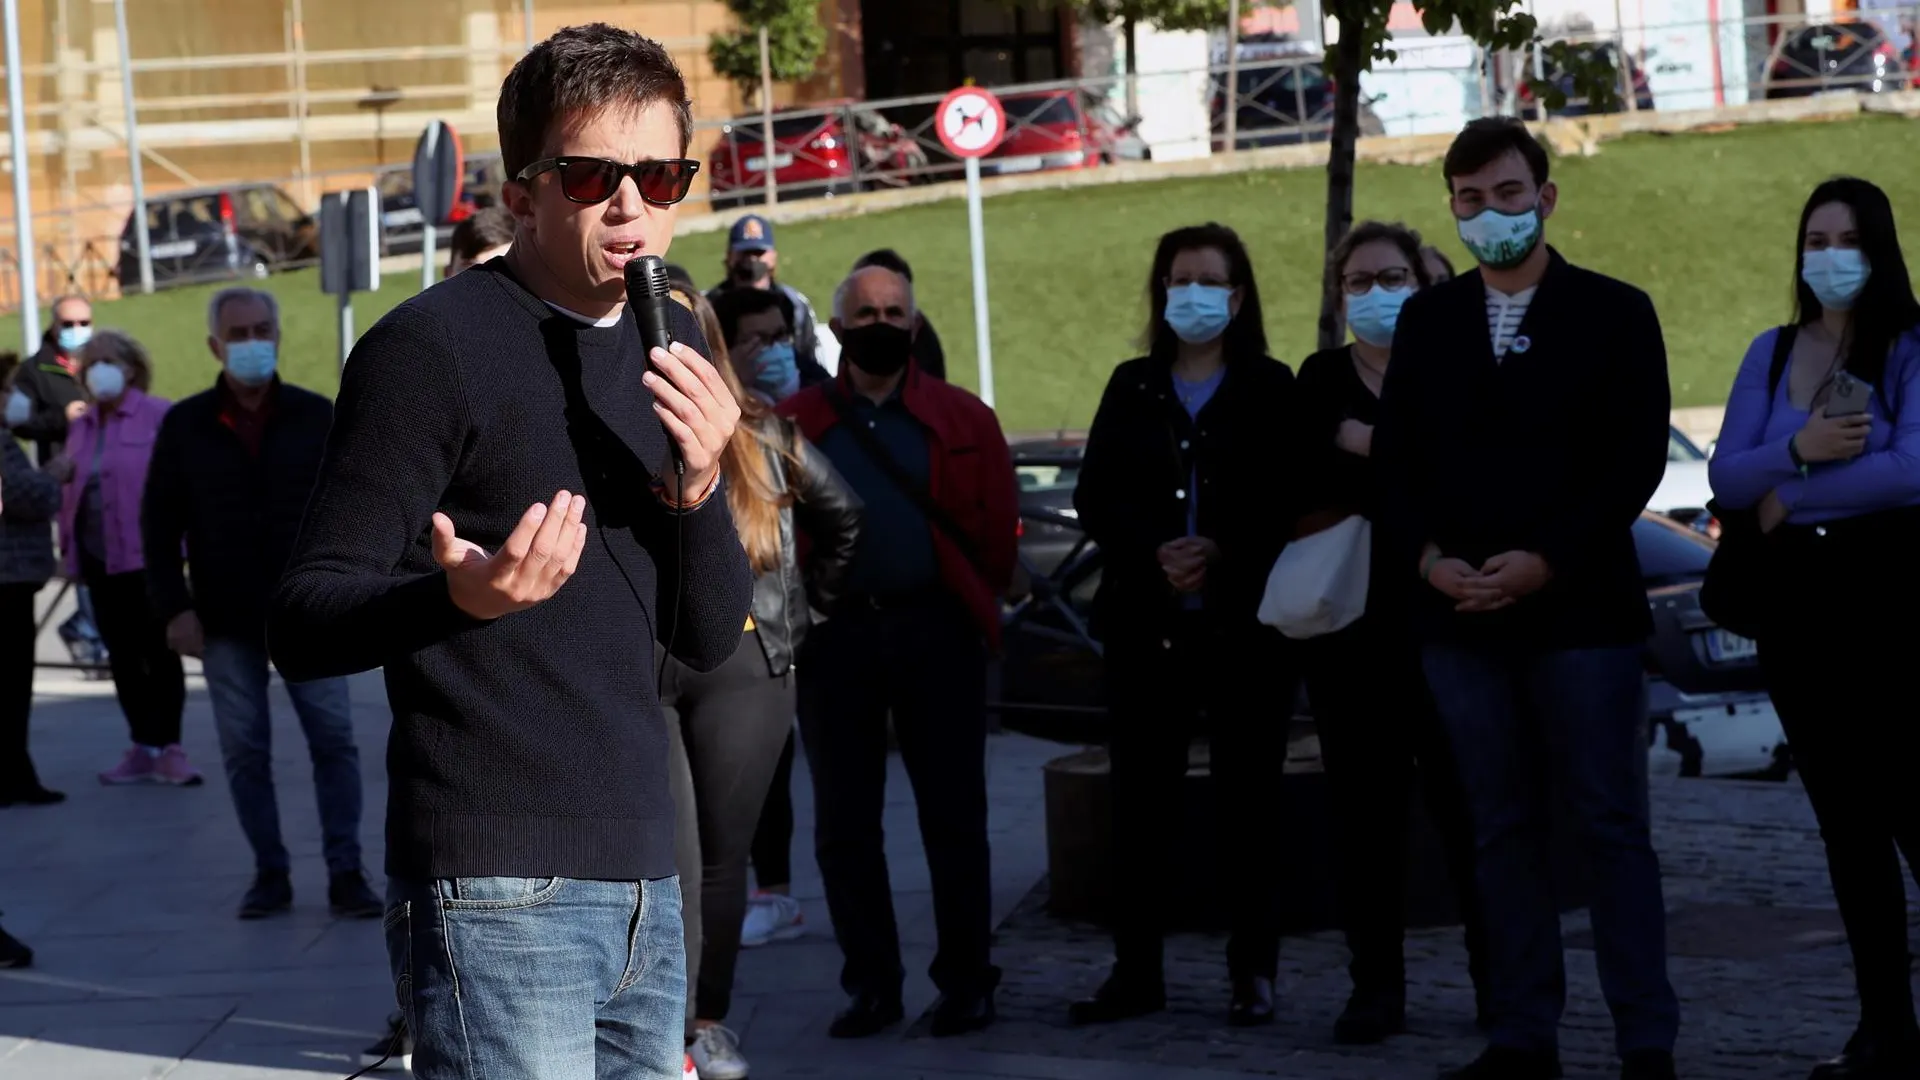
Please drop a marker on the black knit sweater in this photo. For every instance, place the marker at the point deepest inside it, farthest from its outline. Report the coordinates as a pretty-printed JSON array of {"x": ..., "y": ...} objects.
[{"x": 533, "y": 745}]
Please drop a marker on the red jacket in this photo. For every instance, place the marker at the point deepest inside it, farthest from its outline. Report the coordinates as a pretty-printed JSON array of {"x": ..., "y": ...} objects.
[{"x": 969, "y": 475}]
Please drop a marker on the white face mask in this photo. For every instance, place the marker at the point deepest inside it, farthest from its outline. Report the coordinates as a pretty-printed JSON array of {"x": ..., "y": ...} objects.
[{"x": 106, "y": 381}]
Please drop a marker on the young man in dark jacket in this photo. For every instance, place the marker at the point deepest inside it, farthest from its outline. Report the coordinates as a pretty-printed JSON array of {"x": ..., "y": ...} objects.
[
  {"x": 231, "y": 472},
  {"x": 1533, "y": 616},
  {"x": 29, "y": 501},
  {"x": 516, "y": 497},
  {"x": 936, "y": 554}
]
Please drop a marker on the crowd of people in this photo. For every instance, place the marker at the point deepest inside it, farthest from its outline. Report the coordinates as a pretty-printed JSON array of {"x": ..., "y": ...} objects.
[{"x": 795, "y": 546}]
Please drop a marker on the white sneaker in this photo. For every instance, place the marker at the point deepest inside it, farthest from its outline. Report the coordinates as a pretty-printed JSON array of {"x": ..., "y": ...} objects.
[
  {"x": 690, "y": 1073},
  {"x": 716, "y": 1054},
  {"x": 771, "y": 917}
]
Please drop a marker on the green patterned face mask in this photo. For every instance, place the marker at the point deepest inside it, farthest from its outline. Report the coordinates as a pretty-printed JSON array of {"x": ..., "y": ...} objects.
[{"x": 1501, "y": 241}]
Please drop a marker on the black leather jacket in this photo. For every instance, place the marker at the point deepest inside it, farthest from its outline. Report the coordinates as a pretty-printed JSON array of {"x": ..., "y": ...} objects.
[{"x": 787, "y": 599}]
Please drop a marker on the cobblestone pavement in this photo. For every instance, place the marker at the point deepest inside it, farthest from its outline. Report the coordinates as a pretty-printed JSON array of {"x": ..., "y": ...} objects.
[{"x": 1759, "y": 960}]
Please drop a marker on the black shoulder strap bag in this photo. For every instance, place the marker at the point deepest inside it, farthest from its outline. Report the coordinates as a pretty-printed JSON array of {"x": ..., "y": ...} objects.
[
  {"x": 916, "y": 491},
  {"x": 1734, "y": 592}
]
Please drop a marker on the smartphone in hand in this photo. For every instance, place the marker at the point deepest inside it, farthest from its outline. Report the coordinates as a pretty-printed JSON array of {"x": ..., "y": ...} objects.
[{"x": 1848, "y": 397}]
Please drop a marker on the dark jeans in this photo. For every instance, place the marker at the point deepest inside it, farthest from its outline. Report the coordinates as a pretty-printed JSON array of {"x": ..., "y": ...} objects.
[
  {"x": 1855, "y": 755},
  {"x": 726, "y": 729},
  {"x": 553, "y": 978},
  {"x": 147, "y": 676},
  {"x": 1158, "y": 686},
  {"x": 927, "y": 664},
  {"x": 1379, "y": 735},
  {"x": 237, "y": 679},
  {"x": 16, "y": 686},
  {"x": 773, "y": 837},
  {"x": 1527, "y": 723}
]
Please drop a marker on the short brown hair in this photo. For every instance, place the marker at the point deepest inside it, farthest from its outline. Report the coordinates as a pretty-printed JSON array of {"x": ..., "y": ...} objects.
[
  {"x": 487, "y": 228},
  {"x": 1488, "y": 139},
  {"x": 122, "y": 349},
  {"x": 1365, "y": 233},
  {"x": 580, "y": 72}
]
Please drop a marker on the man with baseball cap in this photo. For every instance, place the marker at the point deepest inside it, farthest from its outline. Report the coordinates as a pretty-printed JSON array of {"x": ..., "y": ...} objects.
[{"x": 751, "y": 263}]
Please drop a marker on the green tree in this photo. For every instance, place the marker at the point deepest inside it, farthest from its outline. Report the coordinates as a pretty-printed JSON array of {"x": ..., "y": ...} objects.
[
  {"x": 796, "y": 36},
  {"x": 1363, "y": 38}
]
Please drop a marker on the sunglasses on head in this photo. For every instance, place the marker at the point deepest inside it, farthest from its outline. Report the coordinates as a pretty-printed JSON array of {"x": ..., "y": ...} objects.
[{"x": 589, "y": 180}]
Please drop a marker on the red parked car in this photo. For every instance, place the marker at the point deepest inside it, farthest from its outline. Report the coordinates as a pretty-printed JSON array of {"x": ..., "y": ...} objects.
[
  {"x": 813, "y": 155},
  {"x": 1050, "y": 129}
]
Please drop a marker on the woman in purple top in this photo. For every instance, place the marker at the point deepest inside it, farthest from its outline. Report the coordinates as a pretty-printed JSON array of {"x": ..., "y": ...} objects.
[
  {"x": 104, "y": 468},
  {"x": 1837, "y": 489}
]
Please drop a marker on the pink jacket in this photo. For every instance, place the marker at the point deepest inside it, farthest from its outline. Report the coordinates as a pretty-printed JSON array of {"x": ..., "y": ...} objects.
[{"x": 132, "y": 424}]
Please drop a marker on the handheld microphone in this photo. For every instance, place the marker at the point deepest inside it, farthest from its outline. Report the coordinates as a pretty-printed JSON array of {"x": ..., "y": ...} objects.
[{"x": 648, "y": 294}]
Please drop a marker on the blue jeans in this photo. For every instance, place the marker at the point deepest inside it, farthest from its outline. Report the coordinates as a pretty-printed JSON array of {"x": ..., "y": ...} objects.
[
  {"x": 236, "y": 673},
  {"x": 540, "y": 978},
  {"x": 1524, "y": 724}
]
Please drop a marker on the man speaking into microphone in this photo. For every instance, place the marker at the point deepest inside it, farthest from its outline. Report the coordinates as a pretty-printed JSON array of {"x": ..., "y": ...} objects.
[{"x": 517, "y": 501}]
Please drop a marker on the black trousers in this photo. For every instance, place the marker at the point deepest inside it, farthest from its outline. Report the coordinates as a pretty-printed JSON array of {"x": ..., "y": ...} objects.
[
  {"x": 147, "y": 676},
  {"x": 926, "y": 664},
  {"x": 1235, "y": 686},
  {"x": 1854, "y": 745},
  {"x": 773, "y": 837},
  {"x": 726, "y": 728},
  {"x": 16, "y": 687},
  {"x": 1379, "y": 735}
]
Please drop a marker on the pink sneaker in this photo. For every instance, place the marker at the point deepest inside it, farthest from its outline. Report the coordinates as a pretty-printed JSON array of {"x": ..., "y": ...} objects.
[
  {"x": 172, "y": 768},
  {"x": 137, "y": 767}
]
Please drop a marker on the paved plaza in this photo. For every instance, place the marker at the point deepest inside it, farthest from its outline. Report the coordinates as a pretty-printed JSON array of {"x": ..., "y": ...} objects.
[{"x": 128, "y": 896}]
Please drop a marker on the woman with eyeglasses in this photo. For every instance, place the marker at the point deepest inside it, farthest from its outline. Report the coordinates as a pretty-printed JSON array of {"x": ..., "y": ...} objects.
[
  {"x": 1819, "y": 461},
  {"x": 1379, "y": 733},
  {"x": 729, "y": 727},
  {"x": 1178, "y": 489}
]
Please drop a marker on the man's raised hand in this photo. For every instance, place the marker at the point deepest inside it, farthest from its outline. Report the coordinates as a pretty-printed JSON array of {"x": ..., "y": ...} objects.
[{"x": 539, "y": 556}]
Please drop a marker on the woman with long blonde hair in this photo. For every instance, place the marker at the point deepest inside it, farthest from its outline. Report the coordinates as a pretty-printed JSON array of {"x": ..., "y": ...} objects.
[{"x": 730, "y": 725}]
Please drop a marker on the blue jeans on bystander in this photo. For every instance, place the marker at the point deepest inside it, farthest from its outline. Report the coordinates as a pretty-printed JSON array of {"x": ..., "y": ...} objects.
[{"x": 237, "y": 679}]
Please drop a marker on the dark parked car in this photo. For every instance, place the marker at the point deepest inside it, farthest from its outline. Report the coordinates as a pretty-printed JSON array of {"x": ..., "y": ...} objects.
[
  {"x": 219, "y": 234},
  {"x": 1577, "y": 104},
  {"x": 1821, "y": 59},
  {"x": 1709, "y": 708},
  {"x": 1282, "y": 99},
  {"x": 400, "y": 232}
]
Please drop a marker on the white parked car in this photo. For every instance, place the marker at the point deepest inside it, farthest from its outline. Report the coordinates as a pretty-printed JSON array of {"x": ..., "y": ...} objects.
[{"x": 1684, "y": 488}]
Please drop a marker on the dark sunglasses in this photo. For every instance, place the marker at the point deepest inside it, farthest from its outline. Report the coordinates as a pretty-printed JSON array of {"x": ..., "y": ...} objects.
[
  {"x": 70, "y": 324},
  {"x": 590, "y": 180}
]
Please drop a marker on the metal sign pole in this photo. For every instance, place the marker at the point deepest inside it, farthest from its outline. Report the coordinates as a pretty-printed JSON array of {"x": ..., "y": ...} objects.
[
  {"x": 429, "y": 223},
  {"x": 142, "y": 243},
  {"x": 981, "y": 323},
  {"x": 346, "y": 327},
  {"x": 22, "y": 196}
]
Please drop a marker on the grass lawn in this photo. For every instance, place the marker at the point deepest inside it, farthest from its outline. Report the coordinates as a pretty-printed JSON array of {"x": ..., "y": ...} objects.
[{"x": 1702, "y": 222}]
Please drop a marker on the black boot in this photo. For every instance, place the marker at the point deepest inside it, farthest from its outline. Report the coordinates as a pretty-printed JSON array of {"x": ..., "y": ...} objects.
[
  {"x": 1372, "y": 1016},
  {"x": 1252, "y": 1002},
  {"x": 1869, "y": 1056},
  {"x": 349, "y": 897},
  {"x": 866, "y": 1015},
  {"x": 1122, "y": 997},
  {"x": 1507, "y": 1063},
  {"x": 13, "y": 954},
  {"x": 272, "y": 894}
]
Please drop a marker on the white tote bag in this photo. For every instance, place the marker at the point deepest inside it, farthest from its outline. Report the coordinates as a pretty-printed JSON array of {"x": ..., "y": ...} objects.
[{"x": 1319, "y": 582}]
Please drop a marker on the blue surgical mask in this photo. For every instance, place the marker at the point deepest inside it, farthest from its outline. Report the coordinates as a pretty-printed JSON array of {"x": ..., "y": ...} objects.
[
  {"x": 252, "y": 362},
  {"x": 1836, "y": 275},
  {"x": 106, "y": 381},
  {"x": 776, "y": 372},
  {"x": 1199, "y": 313},
  {"x": 19, "y": 409},
  {"x": 1374, "y": 313},
  {"x": 1501, "y": 241},
  {"x": 72, "y": 339}
]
